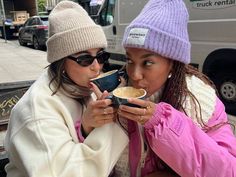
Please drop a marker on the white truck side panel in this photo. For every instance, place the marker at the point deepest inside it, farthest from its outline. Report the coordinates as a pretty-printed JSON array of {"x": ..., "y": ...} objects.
[
  {"x": 212, "y": 33},
  {"x": 212, "y": 26}
]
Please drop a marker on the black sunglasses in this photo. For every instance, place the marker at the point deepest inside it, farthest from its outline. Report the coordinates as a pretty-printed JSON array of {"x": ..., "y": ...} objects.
[{"x": 86, "y": 60}]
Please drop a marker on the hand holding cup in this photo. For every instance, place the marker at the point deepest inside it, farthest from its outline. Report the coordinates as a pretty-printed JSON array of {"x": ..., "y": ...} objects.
[
  {"x": 132, "y": 104},
  {"x": 98, "y": 112}
]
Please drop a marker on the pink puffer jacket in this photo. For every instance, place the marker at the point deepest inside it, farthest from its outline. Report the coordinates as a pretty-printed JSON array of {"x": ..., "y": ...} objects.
[
  {"x": 180, "y": 143},
  {"x": 186, "y": 148}
]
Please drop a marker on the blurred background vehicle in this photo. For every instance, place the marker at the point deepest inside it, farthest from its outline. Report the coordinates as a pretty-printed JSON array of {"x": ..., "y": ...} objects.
[
  {"x": 13, "y": 14},
  {"x": 34, "y": 32}
]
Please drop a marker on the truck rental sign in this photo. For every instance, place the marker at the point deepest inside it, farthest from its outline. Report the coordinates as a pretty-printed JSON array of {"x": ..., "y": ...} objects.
[{"x": 212, "y": 4}]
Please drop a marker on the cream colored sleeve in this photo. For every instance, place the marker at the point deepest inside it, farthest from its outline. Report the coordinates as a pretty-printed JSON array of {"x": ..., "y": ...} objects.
[{"x": 45, "y": 148}]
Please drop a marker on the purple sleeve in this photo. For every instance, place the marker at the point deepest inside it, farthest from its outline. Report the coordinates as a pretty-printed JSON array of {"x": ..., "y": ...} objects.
[
  {"x": 78, "y": 131},
  {"x": 186, "y": 148}
]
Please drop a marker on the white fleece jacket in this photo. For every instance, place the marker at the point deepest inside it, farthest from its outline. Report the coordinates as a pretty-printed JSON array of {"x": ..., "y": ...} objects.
[{"x": 41, "y": 140}]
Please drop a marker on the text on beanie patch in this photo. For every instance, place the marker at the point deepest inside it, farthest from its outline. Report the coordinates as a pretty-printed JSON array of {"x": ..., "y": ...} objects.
[{"x": 137, "y": 36}]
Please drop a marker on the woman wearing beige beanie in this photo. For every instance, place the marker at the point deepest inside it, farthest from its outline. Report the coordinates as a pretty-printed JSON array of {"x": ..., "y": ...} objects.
[{"x": 41, "y": 138}]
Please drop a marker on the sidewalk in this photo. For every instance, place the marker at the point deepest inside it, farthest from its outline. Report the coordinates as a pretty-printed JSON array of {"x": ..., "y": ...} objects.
[{"x": 19, "y": 63}]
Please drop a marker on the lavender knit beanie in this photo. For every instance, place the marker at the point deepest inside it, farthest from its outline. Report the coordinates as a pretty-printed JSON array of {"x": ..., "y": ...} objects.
[{"x": 161, "y": 27}]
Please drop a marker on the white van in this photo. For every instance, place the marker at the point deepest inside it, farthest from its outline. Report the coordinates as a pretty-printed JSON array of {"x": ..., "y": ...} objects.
[{"x": 212, "y": 31}]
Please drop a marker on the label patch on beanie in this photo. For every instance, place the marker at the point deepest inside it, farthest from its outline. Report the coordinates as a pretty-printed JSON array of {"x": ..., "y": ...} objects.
[{"x": 137, "y": 36}]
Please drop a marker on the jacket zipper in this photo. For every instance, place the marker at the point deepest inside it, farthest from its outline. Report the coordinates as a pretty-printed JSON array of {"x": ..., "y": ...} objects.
[
  {"x": 142, "y": 161},
  {"x": 142, "y": 155}
]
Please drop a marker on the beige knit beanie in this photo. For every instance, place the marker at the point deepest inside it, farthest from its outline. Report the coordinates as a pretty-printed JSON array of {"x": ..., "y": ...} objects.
[{"x": 71, "y": 30}]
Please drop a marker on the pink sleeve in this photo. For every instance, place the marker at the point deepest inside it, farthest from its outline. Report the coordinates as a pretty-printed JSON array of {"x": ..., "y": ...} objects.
[
  {"x": 223, "y": 135},
  {"x": 78, "y": 131},
  {"x": 189, "y": 150}
]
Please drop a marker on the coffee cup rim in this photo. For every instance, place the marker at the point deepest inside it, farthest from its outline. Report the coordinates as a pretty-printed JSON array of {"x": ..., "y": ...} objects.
[
  {"x": 112, "y": 72},
  {"x": 143, "y": 95}
]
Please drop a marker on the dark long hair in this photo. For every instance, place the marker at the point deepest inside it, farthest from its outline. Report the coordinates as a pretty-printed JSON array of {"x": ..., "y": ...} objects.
[
  {"x": 59, "y": 77},
  {"x": 56, "y": 70},
  {"x": 176, "y": 91}
]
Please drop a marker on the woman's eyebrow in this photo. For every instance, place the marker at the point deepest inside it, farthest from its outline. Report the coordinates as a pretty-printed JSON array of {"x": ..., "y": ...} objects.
[
  {"x": 88, "y": 53},
  {"x": 144, "y": 55},
  {"x": 147, "y": 55},
  {"x": 100, "y": 50},
  {"x": 127, "y": 53},
  {"x": 83, "y": 52}
]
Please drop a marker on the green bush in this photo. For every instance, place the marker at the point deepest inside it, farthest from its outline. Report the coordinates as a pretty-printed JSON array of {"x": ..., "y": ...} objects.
[{"x": 41, "y": 5}]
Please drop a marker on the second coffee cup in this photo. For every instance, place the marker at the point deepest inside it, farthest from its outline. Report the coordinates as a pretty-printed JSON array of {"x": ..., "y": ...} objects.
[{"x": 121, "y": 95}]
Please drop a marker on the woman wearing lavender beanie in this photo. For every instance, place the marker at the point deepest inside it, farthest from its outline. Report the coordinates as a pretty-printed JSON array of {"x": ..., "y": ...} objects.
[{"x": 181, "y": 129}]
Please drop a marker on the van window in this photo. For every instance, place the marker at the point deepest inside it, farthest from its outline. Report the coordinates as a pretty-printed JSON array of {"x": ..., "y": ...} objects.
[{"x": 106, "y": 15}]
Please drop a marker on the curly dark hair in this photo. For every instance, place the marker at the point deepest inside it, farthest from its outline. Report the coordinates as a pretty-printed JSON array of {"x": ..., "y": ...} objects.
[{"x": 176, "y": 91}]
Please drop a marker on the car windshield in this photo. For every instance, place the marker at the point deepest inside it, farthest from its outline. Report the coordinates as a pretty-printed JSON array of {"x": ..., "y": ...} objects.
[{"x": 45, "y": 20}]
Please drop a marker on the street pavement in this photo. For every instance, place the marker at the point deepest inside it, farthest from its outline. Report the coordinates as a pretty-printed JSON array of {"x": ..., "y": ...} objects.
[{"x": 18, "y": 63}]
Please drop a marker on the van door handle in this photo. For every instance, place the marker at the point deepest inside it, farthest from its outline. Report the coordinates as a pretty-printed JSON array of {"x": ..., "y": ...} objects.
[{"x": 114, "y": 30}]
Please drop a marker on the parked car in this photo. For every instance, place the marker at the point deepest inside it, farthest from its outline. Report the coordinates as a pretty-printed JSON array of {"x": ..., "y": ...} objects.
[{"x": 34, "y": 32}]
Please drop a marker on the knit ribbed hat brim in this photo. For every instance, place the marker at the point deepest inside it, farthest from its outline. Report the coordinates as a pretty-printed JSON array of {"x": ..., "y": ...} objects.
[
  {"x": 72, "y": 41},
  {"x": 161, "y": 27},
  {"x": 71, "y": 30},
  {"x": 159, "y": 42}
]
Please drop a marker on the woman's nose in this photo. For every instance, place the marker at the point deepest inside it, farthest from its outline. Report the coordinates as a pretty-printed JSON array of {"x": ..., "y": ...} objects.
[
  {"x": 136, "y": 74},
  {"x": 95, "y": 66}
]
